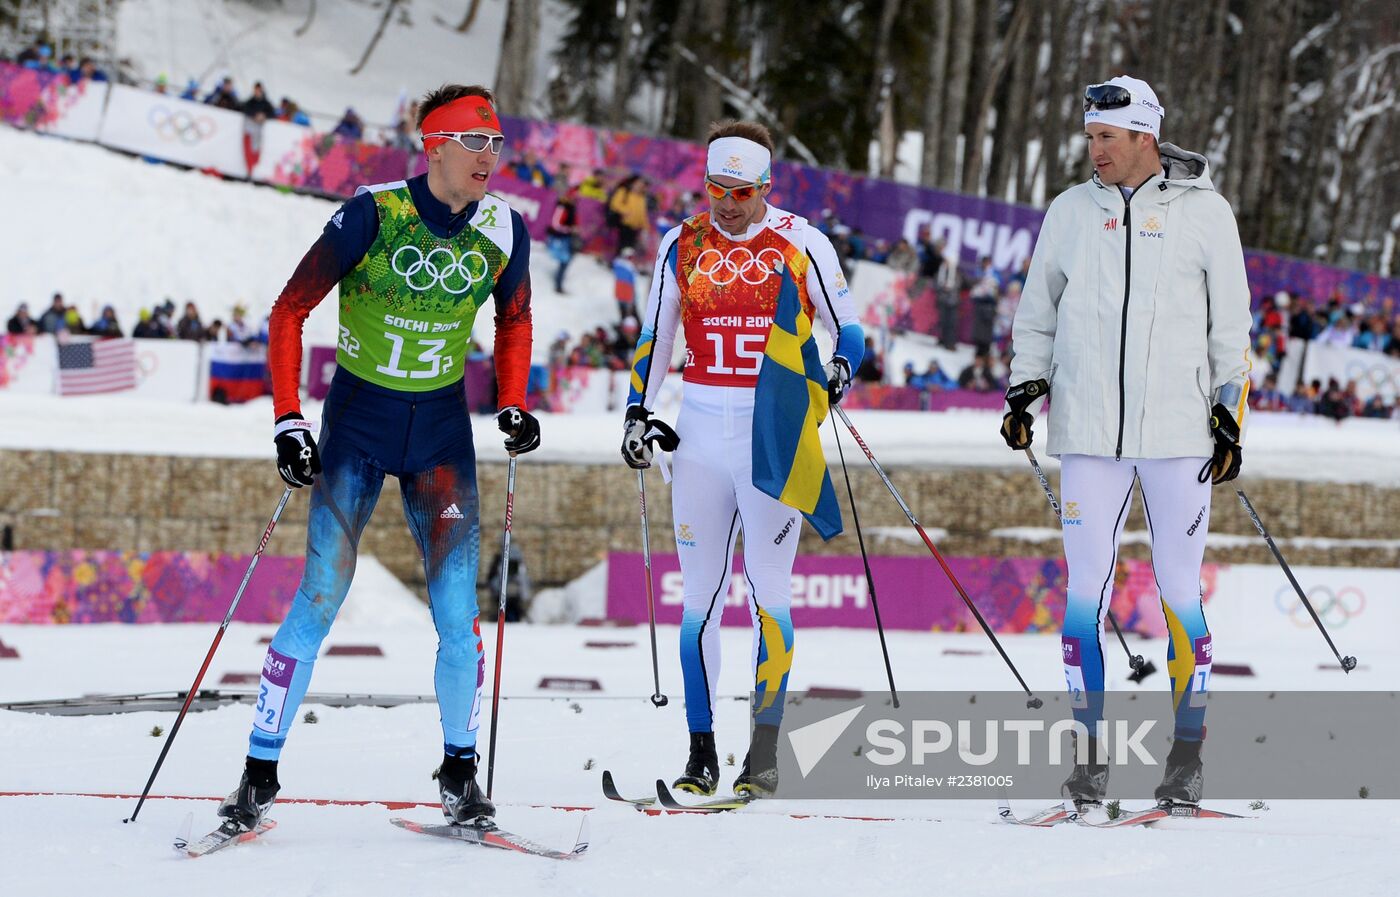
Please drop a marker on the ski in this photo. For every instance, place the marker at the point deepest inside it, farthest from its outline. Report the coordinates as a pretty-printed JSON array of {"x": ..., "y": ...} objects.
[
  {"x": 1160, "y": 812},
  {"x": 717, "y": 805},
  {"x": 1050, "y": 816},
  {"x": 611, "y": 793},
  {"x": 226, "y": 835},
  {"x": 487, "y": 834}
]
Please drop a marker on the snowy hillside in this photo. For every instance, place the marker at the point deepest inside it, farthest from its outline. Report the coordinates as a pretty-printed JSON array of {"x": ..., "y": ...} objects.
[
  {"x": 420, "y": 49},
  {"x": 152, "y": 231}
]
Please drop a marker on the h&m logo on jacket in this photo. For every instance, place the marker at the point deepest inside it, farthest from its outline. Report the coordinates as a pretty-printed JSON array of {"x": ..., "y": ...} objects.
[{"x": 1111, "y": 224}]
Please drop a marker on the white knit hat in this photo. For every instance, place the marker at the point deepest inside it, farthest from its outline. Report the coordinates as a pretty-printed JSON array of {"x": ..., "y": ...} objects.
[{"x": 1144, "y": 114}]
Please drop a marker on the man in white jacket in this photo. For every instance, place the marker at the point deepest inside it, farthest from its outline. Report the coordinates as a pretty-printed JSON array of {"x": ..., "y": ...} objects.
[{"x": 1135, "y": 314}]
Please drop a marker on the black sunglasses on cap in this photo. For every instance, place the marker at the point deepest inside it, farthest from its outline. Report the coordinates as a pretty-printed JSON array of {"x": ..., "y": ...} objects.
[{"x": 1107, "y": 96}]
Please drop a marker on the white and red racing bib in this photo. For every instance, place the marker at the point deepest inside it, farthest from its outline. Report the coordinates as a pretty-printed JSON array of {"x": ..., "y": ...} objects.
[{"x": 729, "y": 294}]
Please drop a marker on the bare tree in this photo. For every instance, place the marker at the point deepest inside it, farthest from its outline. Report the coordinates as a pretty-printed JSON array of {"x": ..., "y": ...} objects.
[
  {"x": 934, "y": 119},
  {"x": 378, "y": 33},
  {"x": 972, "y": 152},
  {"x": 881, "y": 86},
  {"x": 955, "y": 102},
  {"x": 468, "y": 19},
  {"x": 516, "y": 69},
  {"x": 625, "y": 65},
  {"x": 310, "y": 16}
]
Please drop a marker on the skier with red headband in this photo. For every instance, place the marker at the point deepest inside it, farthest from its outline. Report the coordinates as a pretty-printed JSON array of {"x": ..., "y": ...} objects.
[{"x": 414, "y": 261}]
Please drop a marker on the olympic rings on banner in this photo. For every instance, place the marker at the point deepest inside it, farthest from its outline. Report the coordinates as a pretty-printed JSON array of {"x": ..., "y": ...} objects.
[
  {"x": 180, "y": 125},
  {"x": 739, "y": 263},
  {"x": 1372, "y": 378},
  {"x": 422, "y": 272},
  {"x": 1333, "y": 608}
]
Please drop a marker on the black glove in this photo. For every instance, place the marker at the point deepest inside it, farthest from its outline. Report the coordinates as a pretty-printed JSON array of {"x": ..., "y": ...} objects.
[
  {"x": 1224, "y": 464},
  {"x": 522, "y": 428},
  {"x": 838, "y": 379},
  {"x": 1016, "y": 424},
  {"x": 297, "y": 459},
  {"x": 641, "y": 433}
]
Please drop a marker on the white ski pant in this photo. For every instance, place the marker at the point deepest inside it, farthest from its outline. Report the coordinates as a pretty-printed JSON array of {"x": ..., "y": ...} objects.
[
  {"x": 713, "y": 500},
  {"x": 1096, "y": 495}
]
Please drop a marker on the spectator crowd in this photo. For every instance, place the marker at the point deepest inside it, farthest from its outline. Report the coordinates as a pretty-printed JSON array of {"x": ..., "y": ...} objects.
[{"x": 156, "y": 322}]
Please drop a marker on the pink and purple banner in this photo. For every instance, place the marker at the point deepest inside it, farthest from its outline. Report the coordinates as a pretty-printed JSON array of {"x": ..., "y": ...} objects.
[
  {"x": 142, "y": 587},
  {"x": 1013, "y": 594}
]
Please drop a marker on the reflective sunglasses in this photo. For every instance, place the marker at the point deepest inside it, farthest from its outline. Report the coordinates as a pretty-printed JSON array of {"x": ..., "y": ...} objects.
[
  {"x": 742, "y": 193},
  {"x": 473, "y": 141},
  {"x": 1107, "y": 96}
]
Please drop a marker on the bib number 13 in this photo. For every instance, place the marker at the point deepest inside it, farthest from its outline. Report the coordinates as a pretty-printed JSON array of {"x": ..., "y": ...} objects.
[{"x": 432, "y": 363}]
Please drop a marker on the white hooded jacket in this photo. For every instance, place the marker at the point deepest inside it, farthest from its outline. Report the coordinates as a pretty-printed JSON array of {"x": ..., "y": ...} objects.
[{"x": 1137, "y": 313}]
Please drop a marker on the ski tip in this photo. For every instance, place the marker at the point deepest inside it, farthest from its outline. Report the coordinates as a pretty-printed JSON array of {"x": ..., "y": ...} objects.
[
  {"x": 581, "y": 842},
  {"x": 182, "y": 837}
]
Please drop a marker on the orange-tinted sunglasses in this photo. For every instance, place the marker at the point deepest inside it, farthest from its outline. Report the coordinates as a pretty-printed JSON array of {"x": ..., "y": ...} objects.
[{"x": 742, "y": 193}]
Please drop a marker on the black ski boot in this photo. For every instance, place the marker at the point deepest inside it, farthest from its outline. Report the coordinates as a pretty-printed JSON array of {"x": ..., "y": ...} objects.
[
  {"x": 759, "y": 777},
  {"x": 463, "y": 801},
  {"x": 1185, "y": 775},
  {"x": 1087, "y": 784},
  {"x": 701, "y": 774},
  {"x": 253, "y": 797}
]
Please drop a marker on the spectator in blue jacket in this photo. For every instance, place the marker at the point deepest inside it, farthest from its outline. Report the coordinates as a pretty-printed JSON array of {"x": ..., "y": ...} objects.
[
  {"x": 107, "y": 324},
  {"x": 351, "y": 125}
]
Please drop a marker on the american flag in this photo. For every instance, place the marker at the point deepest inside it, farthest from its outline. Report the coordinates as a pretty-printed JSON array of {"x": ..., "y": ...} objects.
[{"x": 90, "y": 366}]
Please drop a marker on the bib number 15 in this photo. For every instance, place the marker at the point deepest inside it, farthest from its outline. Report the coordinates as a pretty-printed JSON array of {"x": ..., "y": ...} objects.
[
  {"x": 432, "y": 363},
  {"x": 742, "y": 357}
]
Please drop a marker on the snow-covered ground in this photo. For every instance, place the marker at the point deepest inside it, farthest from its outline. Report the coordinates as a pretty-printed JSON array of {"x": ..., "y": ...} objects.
[{"x": 552, "y": 748}]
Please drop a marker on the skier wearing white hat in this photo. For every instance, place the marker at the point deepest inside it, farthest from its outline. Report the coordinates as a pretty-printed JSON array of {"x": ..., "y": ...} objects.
[{"x": 1135, "y": 314}]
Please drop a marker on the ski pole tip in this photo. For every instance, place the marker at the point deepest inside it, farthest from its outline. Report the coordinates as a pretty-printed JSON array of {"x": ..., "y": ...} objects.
[
  {"x": 1035, "y": 703},
  {"x": 1348, "y": 663},
  {"x": 659, "y": 700}
]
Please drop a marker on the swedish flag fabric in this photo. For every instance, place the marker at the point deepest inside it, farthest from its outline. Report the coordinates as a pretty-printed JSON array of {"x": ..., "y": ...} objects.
[{"x": 789, "y": 402}]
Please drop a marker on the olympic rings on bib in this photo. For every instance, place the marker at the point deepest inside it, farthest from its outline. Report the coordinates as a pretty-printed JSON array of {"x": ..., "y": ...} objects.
[
  {"x": 739, "y": 263},
  {"x": 422, "y": 272},
  {"x": 180, "y": 125}
]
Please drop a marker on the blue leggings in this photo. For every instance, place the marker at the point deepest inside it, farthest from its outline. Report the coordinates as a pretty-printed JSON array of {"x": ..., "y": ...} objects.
[
  {"x": 1097, "y": 494},
  {"x": 425, "y": 440}
]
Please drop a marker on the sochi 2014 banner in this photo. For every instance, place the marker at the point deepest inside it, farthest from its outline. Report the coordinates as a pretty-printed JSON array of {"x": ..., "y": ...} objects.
[
  {"x": 141, "y": 587},
  {"x": 1245, "y": 603},
  {"x": 1013, "y": 594}
]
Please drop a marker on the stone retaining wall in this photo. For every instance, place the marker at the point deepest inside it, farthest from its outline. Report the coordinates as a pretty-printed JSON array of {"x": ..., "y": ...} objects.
[{"x": 567, "y": 517}]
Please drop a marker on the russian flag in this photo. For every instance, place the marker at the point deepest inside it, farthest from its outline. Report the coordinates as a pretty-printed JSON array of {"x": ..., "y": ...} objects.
[{"x": 237, "y": 373}]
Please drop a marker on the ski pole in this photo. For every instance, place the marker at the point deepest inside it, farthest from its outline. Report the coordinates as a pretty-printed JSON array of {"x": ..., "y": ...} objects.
[
  {"x": 1348, "y": 663},
  {"x": 869, "y": 579},
  {"x": 1032, "y": 701},
  {"x": 1142, "y": 668},
  {"x": 657, "y": 698},
  {"x": 218, "y": 637},
  {"x": 500, "y": 628}
]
